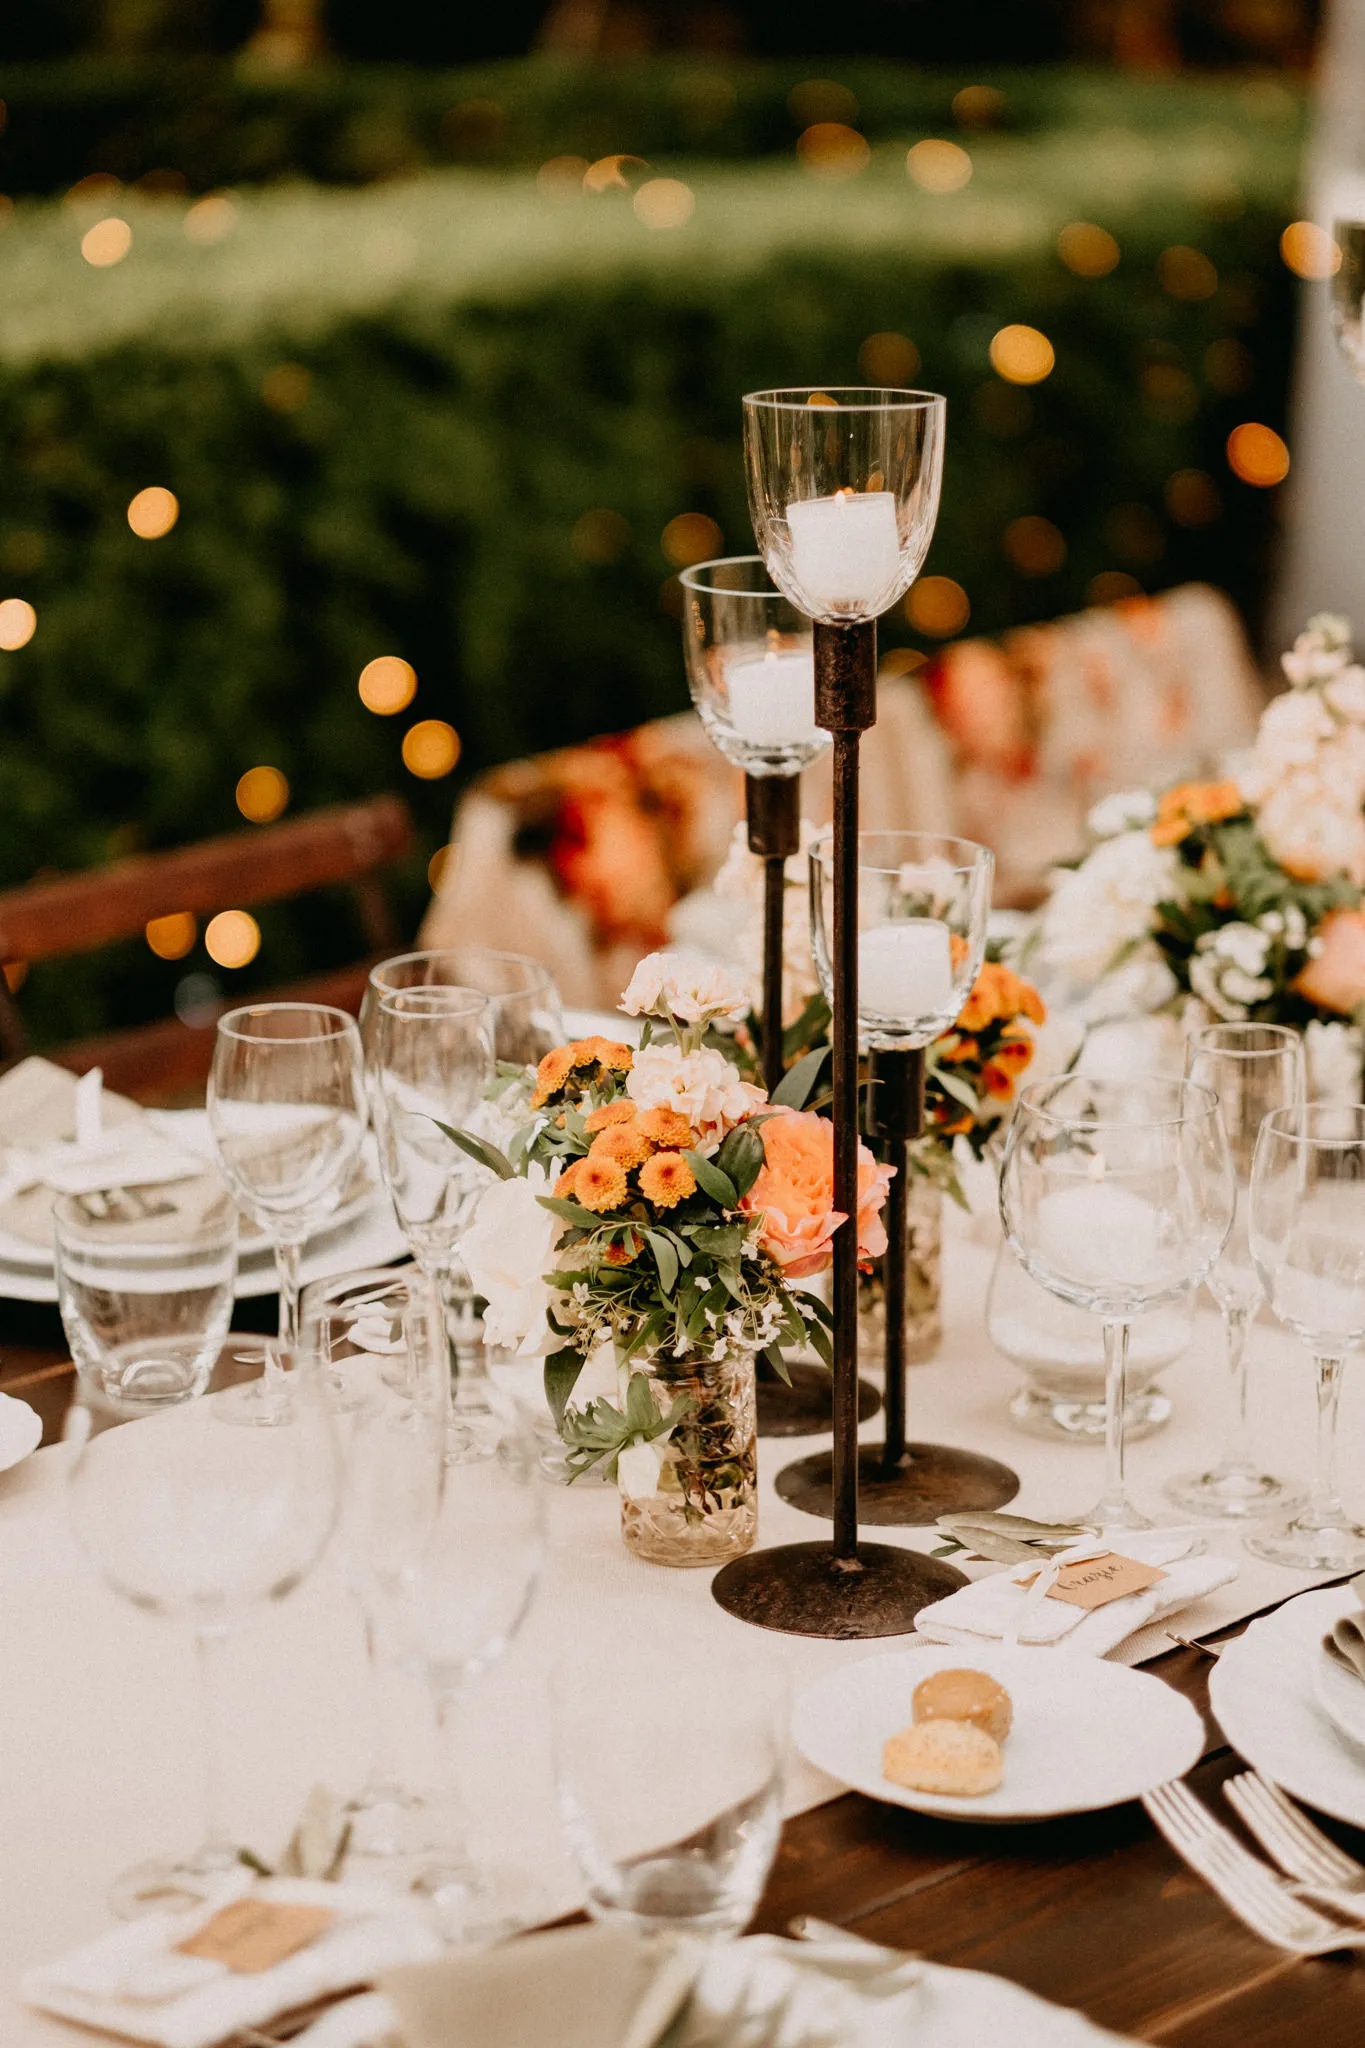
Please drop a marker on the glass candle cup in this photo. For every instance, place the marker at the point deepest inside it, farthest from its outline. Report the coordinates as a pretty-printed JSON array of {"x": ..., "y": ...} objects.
[{"x": 751, "y": 667}]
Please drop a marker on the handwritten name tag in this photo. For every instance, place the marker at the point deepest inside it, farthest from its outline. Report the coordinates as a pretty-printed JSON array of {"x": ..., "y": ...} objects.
[
  {"x": 1097, "y": 1580},
  {"x": 252, "y": 1935}
]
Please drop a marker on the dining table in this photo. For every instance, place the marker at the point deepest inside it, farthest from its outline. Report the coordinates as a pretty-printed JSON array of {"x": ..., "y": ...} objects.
[{"x": 1093, "y": 1911}]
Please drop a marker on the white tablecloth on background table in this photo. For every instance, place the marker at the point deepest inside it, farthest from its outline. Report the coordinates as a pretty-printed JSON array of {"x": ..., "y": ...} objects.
[{"x": 98, "y": 1749}]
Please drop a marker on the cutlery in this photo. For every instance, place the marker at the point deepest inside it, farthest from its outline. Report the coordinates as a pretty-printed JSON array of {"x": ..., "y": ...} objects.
[
  {"x": 1214, "y": 1650},
  {"x": 1247, "y": 1887},
  {"x": 1322, "y": 1871}
]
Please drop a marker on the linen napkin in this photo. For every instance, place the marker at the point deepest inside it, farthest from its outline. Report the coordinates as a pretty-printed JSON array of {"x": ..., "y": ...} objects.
[
  {"x": 60, "y": 1135},
  {"x": 133, "y": 1981},
  {"x": 1002, "y": 1604}
]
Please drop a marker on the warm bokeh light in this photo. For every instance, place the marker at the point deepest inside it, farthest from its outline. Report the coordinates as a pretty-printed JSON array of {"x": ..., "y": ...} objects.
[
  {"x": 437, "y": 866},
  {"x": 938, "y": 166},
  {"x": 173, "y": 936},
  {"x": 262, "y": 795},
  {"x": 978, "y": 106},
  {"x": 153, "y": 512},
  {"x": 821, "y": 99},
  {"x": 15, "y": 974},
  {"x": 562, "y": 177},
  {"x": 287, "y": 387},
  {"x": 889, "y": 359},
  {"x": 1186, "y": 273},
  {"x": 689, "y": 538},
  {"x": 829, "y": 149},
  {"x": 1229, "y": 366},
  {"x": 1034, "y": 545},
  {"x": 430, "y": 749},
  {"x": 1088, "y": 250},
  {"x": 232, "y": 939},
  {"x": 1192, "y": 498},
  {"x": 209, "y": 219},
  {"x": 600, "y": 536},
  {"x": 1111, "y": 586},
  {"x": 900, "y": 661},
  {"x": 1134, "y": 533},
  {"x": 18, "y": 623},
  {"x": 1256, "y": 454},
  {"x": 1309, "y": 250},
  {"x": 1021, "y": 355},
  {"x": 387, "y": 684},
  {"x": 613, "y": 173},
  {"x": 107, "y": 242},
  {"x": 97, "y": 188},
  {"x": 664, "y": 203},
  {"x": 937, "y": 605}
]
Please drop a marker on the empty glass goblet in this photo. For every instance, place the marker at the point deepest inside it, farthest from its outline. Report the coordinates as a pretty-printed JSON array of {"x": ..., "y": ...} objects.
[
  {"x": 524, "y": 1009},
  {"x": 1307, "y": 1236},
  {"x": 1117, "y": 1196}
]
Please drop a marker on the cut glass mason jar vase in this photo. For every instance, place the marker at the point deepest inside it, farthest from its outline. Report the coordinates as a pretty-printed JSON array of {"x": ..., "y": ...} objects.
[{"x": 691, "y": 1498}]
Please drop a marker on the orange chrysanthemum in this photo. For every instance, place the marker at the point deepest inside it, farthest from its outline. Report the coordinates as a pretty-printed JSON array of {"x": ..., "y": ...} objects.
[
  {"x": 599, "y": 1184},
  {"x": 668, "y": 1127},
  {"x": 1005, "y": 1065},
  {"x": 605, "y": 1052},
  {"x": 551, "y": 1074},
  {"x": 618, "y": 1112},
  {"x": 998, "y": 996},
  {"x": 622, "y": 1251},
  {"x": 1194, "y": 803},
  {"x": 625, "y": 1144},
  {"x": 565, "y": 1184},
  {"x": 666, "y": 1180},
  {"x": 954, "y": 1047}
]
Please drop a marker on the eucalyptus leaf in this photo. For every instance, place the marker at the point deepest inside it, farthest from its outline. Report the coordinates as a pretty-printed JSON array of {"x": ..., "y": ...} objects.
[
  {"x": 562, "y": 1369},
  {"x": 665, "y": 1258},
  {"x": 794, "y": 1089},
  {"x": 712, "y": 1181},
  {"x": 477, "y": 1148},
  {"x": 773, "y": 1354}
]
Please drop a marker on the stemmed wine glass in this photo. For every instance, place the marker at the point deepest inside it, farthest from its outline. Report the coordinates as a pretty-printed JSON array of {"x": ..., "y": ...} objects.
[
  {"x": 286, "y": 1107},
  {"x": 1252, "y": 1069},
  {"x": 1307, "y": 1238},
  {"x": 203, "y": 1524},
  {"x": 523, "y": 1002},
  {"x": 1117, "y": 1195}
]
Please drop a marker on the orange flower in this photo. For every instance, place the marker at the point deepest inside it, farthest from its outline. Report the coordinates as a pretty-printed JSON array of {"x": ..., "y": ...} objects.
[
  {"x": 955, "y": 1047},
  {"x": 998, "y": 996},
  {"x": 565, "y": 1184},
  {"x": 668, "y": 1127},
  {"x": 623, "y": 1143},
  {"x": 618, "y": 1112},
  {"x": 606, "y": 1052},
  {"x": 551, "y": 1075},
  {"x": 1194, "y": 803},
  {"x": 666, "y": 1180},
  {"x": 599, "y": 1184},
  {"x": 794, "y": 1193},
  {"x": 1005, "y": 1065},
  {"x": 622, "y": 1250},
  {"x": 1334, "y": 978}
]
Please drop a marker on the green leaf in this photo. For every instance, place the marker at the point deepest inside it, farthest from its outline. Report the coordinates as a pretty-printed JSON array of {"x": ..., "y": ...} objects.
[
  {"x": 487, "y": 1155},
  {"x": 641, "y": 1413},
  {"x": 712, "y": 1181},
  {"x": 773, "y": 1354},
  {"x": 742, "y": 1157},
  {"x": 665, "y": 1258},
  {"x": 562, "y": 1369},
  {"x": 560, "y": 1205},
  {"x": 794, "y": 1089}
]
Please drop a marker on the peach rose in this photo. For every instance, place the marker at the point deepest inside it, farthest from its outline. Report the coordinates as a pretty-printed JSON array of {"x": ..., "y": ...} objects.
[
  {"x": 794, "y": 1194},
  {"x": 1334, "y": 978}
]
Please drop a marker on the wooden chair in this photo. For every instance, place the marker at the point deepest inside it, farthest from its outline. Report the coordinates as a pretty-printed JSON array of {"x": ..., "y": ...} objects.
[{"x": 158, "y": 1062}]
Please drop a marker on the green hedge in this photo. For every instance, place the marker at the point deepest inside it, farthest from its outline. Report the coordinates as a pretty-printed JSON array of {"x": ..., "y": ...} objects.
[{"x": 483, "y": 366}]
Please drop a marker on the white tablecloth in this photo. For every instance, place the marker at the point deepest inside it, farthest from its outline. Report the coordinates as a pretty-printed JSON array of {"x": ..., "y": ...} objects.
[{"x": 98, "y": 1750}]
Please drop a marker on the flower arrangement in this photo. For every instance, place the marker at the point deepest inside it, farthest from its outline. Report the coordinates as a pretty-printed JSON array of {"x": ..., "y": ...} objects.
[
  {"x": 1243, "y": 893},
  {"x": 653, "y": 1212},
  {"x": 973, "y": 1071}
]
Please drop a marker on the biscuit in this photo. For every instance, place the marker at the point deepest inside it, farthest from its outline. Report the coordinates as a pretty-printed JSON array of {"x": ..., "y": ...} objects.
[
  {"x": 961, "y": 1695},
  {"x": 951, "y": 1757}
]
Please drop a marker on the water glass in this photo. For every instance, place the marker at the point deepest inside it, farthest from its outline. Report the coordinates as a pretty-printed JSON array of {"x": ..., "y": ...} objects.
[
  {"x": 672, "y": 1810},
  {"x": 145, "y": 1288}
]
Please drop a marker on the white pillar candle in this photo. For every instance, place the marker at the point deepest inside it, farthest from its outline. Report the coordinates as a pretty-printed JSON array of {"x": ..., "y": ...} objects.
[
  {"x": 1096, "y": 1232},
  {"x": 846, "y": 549},
  {"x": 772, "y": 698},
  {"x": 905, "y": 970}
]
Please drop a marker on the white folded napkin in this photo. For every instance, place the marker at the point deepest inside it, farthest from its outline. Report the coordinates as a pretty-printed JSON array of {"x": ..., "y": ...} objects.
[
  {"x": 132, "y": 1981},
  {"x": 66, "y": 1134},
  {"x": 991, "y": 1608},
  {"x": 21, "y": 1430}
]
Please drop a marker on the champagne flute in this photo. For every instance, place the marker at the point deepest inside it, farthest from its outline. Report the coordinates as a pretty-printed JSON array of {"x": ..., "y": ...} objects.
[
  {"x": 1117, "y": 1195},
  {"x": 1252, "y": 1069},
  {"x": 286, "y": 1106},
  {"x": 1307, "y": 1238},
  {"x": 204, "y": 1525}
]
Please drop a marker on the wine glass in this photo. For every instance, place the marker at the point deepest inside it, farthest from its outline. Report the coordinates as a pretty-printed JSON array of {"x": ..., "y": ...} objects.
[
  {"x": 523, "y": 1001},
  {"x": 1307, "y": 1236},
  {"x": 286, "y": 1107},
  {"x": 365, "y": 1335},
  {"x": 204, "y": 1524},
  {"x": 1117, "y": 1195},
  {"x": 461, "y": 1606},
  {"x": 751, "y": 667},
  {"x": 1252, "y": 1069}
]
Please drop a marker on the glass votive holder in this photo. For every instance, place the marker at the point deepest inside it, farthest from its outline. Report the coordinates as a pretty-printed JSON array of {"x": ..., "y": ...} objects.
[
  {"x": 751, "y": 667},
  {"x": 1058, "y": 1350},
  {"x": 145, "y": 1281}
]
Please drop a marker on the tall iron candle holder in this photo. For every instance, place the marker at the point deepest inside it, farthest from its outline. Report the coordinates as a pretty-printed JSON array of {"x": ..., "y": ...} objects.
[
  {"x": 843, "y": 490},
  {"x": 922, "y": 907},
  {"x": 751, "y": 671}
]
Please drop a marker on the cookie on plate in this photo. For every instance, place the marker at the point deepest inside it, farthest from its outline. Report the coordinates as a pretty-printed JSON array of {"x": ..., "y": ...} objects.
[
  {"x": 952, "y": 1757},
  {"x": 963, "y": 1695}
]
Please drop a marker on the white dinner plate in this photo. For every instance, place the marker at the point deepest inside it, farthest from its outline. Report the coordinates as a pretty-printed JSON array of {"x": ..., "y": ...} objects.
[
  {"x": 1086, "y": 1734},
  {"x": 21, "y": 1429},
  {"x": 1341, "y": 1695},
  {"x": 1264, "y": 1691}
]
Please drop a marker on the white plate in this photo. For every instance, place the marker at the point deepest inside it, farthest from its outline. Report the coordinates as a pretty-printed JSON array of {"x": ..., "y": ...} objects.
[
  {"x": 1263, "y": 1690},
  {"x": 1341, "y": 1695},
  {"x": 1086, "y": 1734},
  {"x": 21, "y": 1429}
]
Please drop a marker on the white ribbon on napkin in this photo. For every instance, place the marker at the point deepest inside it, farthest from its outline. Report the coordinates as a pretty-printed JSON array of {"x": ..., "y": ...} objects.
[{"x": 1002, "y": 1607}]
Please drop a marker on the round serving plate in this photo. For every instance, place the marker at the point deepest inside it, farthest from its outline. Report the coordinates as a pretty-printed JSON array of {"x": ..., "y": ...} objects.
[{"x": 1264, "y": 1689}]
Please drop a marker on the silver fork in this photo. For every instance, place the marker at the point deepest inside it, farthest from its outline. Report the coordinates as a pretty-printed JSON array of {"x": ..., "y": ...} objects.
[
  {"x": 1322, "y": 1871},
  {"x": 1248, "y": 1887}
]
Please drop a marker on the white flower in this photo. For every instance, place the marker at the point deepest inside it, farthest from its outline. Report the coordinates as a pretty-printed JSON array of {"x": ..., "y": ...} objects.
[
  {"x": 638, "y": 1468},
  {"x": 692, "y": 990},
  {"x": 1346, "y": 694},
  {"x": 702, "y": 1086},
  {"x": 1312, "y": 832},
  {"x": 1142, "y": 984},
  {"x": 1320, "y": 651},
  {"x": 1105, "y": 904},
  {"x": 508, "y": 1249},
  {"x": 1126, "y": 810},
  {"x": 1227, "y": 970},
  {"x": 1334, "y": 1055}
]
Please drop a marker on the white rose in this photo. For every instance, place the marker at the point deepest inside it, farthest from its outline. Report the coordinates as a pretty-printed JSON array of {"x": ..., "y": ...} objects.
[
  {"x": 507, "y": 1251},
  {"x": 1126, "y": 810},
  {"x": 702, "y": 1086},
  {"x": 1105, "y": 904}
]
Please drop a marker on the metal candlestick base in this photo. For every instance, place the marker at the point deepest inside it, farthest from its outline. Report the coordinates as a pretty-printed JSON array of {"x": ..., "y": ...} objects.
[
  {"x": 908, "y": 1492},
  {"x": 804, "y": 1589},
  {"x": 806, "y": 1407}
]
